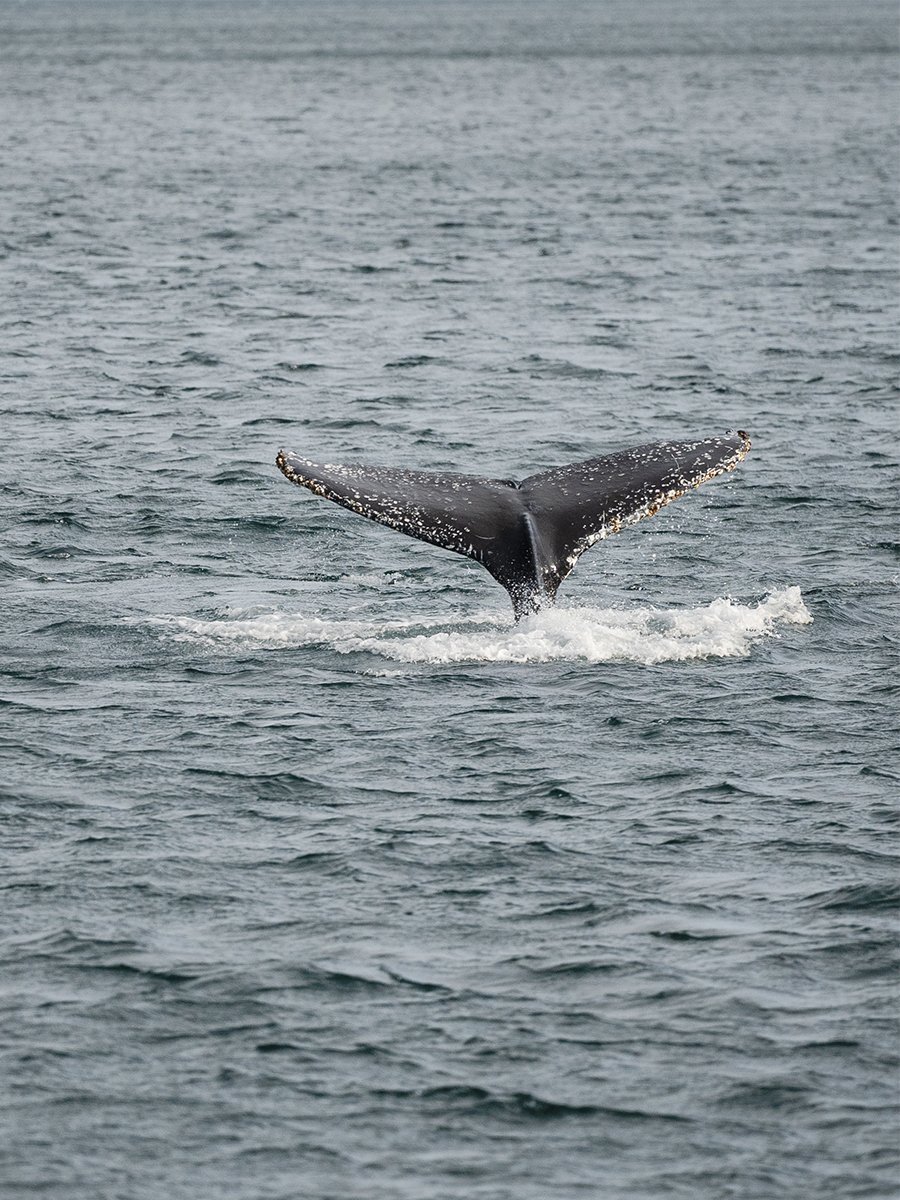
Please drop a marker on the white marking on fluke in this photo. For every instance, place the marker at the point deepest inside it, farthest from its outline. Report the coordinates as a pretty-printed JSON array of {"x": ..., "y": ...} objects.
[{"x": 529, "y": 534}]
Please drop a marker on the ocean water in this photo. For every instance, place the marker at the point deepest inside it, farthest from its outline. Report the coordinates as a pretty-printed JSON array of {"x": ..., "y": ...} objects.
[{"x": 320, "y": 878}]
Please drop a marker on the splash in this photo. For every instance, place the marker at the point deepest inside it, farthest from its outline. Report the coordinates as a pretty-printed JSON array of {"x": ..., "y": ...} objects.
[{"x": 720, "y": 629}]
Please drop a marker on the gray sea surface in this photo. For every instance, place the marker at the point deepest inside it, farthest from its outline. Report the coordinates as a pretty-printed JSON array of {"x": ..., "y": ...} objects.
[{"x": 319, "y": 877}]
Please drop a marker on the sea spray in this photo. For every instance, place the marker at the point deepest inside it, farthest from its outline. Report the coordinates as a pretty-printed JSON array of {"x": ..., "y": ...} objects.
[{"x": 722, "y": 628}]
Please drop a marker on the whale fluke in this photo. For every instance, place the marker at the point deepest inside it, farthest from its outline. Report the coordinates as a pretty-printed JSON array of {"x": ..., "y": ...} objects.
[{"x": 529, "y": 534}]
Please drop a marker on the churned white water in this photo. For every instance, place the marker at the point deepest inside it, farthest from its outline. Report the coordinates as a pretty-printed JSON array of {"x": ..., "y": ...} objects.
[{"x": 721, "y": 629}]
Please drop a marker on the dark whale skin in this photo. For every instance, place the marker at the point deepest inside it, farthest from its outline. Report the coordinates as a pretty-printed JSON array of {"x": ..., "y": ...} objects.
[{"x": 528, "y": 534}]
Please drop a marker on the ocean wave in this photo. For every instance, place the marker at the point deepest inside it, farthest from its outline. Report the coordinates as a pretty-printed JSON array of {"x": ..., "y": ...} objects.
[{"x": 722, "y": 628}]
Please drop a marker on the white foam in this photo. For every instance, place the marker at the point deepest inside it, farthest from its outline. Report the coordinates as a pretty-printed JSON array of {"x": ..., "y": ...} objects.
[{"x": 721, "y": 629}]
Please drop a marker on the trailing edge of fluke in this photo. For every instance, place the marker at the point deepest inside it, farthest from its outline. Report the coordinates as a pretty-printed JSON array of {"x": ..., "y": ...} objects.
[{"x": 529, "y": 534}]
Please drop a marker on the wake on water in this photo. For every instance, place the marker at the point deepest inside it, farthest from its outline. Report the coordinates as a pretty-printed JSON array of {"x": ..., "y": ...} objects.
[{"x": 720, "y": 629}]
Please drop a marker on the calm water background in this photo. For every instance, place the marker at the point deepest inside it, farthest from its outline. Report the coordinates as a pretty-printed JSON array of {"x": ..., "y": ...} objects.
[{"x": 319, "y": 878}]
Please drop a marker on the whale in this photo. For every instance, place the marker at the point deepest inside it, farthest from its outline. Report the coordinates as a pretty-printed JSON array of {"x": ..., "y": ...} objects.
[{"x": 527, "y": 533}]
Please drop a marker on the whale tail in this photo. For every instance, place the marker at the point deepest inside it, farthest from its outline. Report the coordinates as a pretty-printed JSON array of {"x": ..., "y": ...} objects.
[{"x": 529, "y": 534}]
